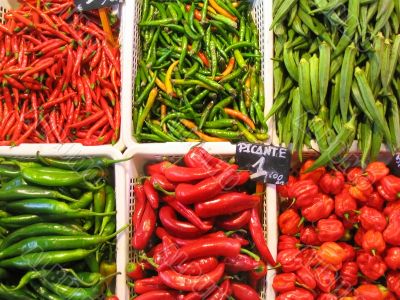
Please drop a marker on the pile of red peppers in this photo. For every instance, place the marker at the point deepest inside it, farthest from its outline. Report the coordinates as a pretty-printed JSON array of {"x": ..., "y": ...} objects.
[
  {"x": 340, "y": 235},
  {"x": 194, "y": 223},
  {"x": 59, "y": 77}
]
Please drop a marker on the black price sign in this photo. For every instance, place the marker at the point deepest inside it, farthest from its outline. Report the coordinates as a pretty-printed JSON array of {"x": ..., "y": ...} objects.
[
  {"x": 268, "y": 163},
  {"x": 94, "y": 4},
  {"x": 394, "y": 165}
]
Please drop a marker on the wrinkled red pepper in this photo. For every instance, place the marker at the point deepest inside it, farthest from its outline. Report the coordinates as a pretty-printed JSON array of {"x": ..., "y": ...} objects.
[
  {"x": 298, "y": 294},
  {"x": 287, "y": 242},
  {"x": 345, "y": 204},
  {"x": 303, "y": 191},
  {"x": 349, "y": 273},
  {"x": 315, "y": 175},
  {"x": 375, "y": 201},
  {"x": 354, "y": 173},
  {"x": 373, "y": 241},
  {"x": 392, "y": 258},
  {"x": 368, "y": 292},
  {"x": 309, "y": 257},
  {"x": 376, "y": 171},
  {"x": 371, "y": 218},
  {"x": 305, "y": 276},
  {"x": 284, "y": 282},
  {"x": 392, "y": 232},
  {"x": 326, "y": 296},
  {"x": 283, "y": 190},
  {"x": 349, "y": 251},
  {"x": 331, "y": 253},
  {"x": 361, "y": 188},
  {"x": 332, "y": 182},
  {"x": 393, "y": 282},
  {"x": 330, "y": 230},
  {"x": 391, "y": 207},
  {"x": 290, "y": 260},
  {"x": 389, "y": 187},
  {"x": 239, "y": 263},
  {"x": 372, "y": 266},
  {"x": 309, "y": 236},
  {"x": 321, "y": 208},
  {"x": 325, "y": 279},
  {"x": 289, "y": 222}
]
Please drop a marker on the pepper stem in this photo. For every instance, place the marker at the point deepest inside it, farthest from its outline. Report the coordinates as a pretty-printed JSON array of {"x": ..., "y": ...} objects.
[
  {"x": 161, "y": 189},
  {"x": 149, "y": 260},
  {"x": 251, "y": 254}
]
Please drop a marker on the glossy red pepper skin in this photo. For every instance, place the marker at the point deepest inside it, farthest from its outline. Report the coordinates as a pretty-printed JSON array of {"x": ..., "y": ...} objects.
[
  {"x": 371, "y": 218},
  {"x": 308, "y": 236},
  {"x": 287, "y": 242},
  {"x": 376, "y": 201},
  {"x": 149, "y": 284},
  {"x": 177, "y": 227},
  {"x": 189, "y": 283},
  {"x": 197, "y": 266},
  {"x": 242, "y": 291},
  {"x": 389, "y": 187},
  {"x": 349, "y": 252},
  {"x": 315, "y": 175},
  {"x": 159, "y": 180},
  {"x": 321, "y": 208},
  {"x": 372, "y": 266},
  {"x": 309, "y": 257},
  {"x": 376, "y": 171},
  {"x": 305, "y": 276},
  {"x": 368, "y": 292},
  {"x": 289, "y": 222},
  {"x": 157, "y": 294},
  {"x": 178, "y": 174},
  {"x": 205, "y": 189},
  {"x": 361, "y": 189},
  {"x": 197, "y": 157},
  {"x": 151, "y": 194},
  {"x": 257, "y": 234},
  {"x": 140, "y": 205},
  {"x": 331, "y": 253},
  {"x": 391, "y": 207},
  {"x": 358, "y": 237},
  {"x": 297, "y": 294},
  {"x": 354, "y": 173},
  {"x": 392, "y": 232},
  {"x": 239, "y": 263},
  {"x": 290, "y": 260},
  {"x": 327, "y": 296},
  {"x": 349, "y": 273},
  {"x": 373, "y": 241},
  {"x": 157, "y": 168},
  {"x": 145, "y": 229},
  {"x": 192, "y": 296},
  {"x": 329, "y": 230},
  {"x": 332, "y": 182},
  {"x": 161, "y": 232},
  {"x": 222, "y": 292},
  {"x": 345, "y": 204},
  {"x": 236, "y": 221},
  {"x": 135, "y": 271},
  {"x": 393, "y": 282},
  {"x": 325, "y": 279},
  {"x": 392, "y": 258},
  {"x": 284, "y": 282},
  {"x": 283, "y": 190},
  {"x": 303, "y": 191},
  {"x": 224, "y": 204}
]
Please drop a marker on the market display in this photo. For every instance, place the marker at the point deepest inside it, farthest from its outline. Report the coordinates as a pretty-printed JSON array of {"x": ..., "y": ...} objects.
[
  {"x": 57, "y": 228},
  {"x": 198, "y": 77},
  {"x": 197, "y": 231},
  {"x": 60, "y": 75},
  {"x": 339, "y": 234},
  {"x": 336, "y": 75}
]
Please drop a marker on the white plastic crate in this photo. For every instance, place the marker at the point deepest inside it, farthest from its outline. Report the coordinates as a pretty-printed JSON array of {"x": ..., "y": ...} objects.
[
  {"x": 78, "y": 151},
  {"x": 125, "y": 38},
  {"x": 261, "y": 15},
  {"x": 143, "y": 154}
]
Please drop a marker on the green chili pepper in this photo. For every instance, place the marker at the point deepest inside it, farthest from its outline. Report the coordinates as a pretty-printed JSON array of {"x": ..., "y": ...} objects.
[{"x": 99, "y": 203}]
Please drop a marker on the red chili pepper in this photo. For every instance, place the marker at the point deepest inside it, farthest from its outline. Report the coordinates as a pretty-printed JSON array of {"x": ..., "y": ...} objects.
[
  {"x": 376, "y": 171},
  {"x": 313, "y": 175},
  {"x": 151, "y": 194},
  {"x": 329, "y": 230},
  {"x": 289, "y": 222},
  {"x": 225, "y": 204},
  {"x": 145, "y": 229},
  {"x": 393, "y": 282},
  {"x": 303, "y": 192},
  {"x": 321, "y": 208},
  {"x": 290, "y": 260},
  {"x": 149, "y": 284},
  {"x": 349, "y": 273},
  {"x": 176, "y": 173},
  {"x": 392, "y": 233},
  {"x": 370, "y": 218},
  {"x": 197, "y": 267},
  {"x": 205, "y": 189},
  {"x": 176, "y": 227},
  {"x": 188, "y": 283},
  {"x": 309, "y": 236},
  {"x": 389, "y": 187},
  {"x": 222, "y": 292},
  {"x": 368, "y": 292},
  {"x": 283, "y": 190},
  {"x": 258, "y": 273},
  {"x": 244, "y": 292},
  {"x": 332, "y": 182},
  {"x": 197, "y": 157},
  {"x": 192, "y": 296},
  {"x": 372, "y": 266},
  {"x": 298, "y": 294},
  {"x": 159, "y": 180},
  {"x": 157, "y": 294},
  {"x": 305, "y": 276},
  {"x": 325, "y": 279},
  {"x": 239, "y": 263},
  {"x": 160, "y": 167},
  {"x": 135, "y": 271},
  {"x": 392, "y": 258},
  {"x": 284, "y": 282},
  {"x": 236, "y": 221},
  {"x": 373, "y": 241},
  {"x": 349, "y": 251},
  {"x": 287, "y": 242}
]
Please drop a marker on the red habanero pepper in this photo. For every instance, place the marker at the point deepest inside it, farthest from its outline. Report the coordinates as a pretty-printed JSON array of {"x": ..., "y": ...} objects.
[
  {"x": 373, "y": 241},
  {"x": 303, "y": 192},
  {"x": 289, "y": 222},
  {"x": 159, "y": 180},
  {"x": 392, "y": 258},
  {"x": 325, "y": 279},
  {"x": 354, "y": 173},
  {"x": 371, "y": 218},
  {"x": 305, "y": 276},
  {"x": 309, "y": 257},
  {"x": 329, "y": 230},
  {"x": 389, "y": 187},
  {"x": 315, "y": 175},
  {"x": 376, "y": 171},
  {"x": 321, "y": 208},
  {"x": 224, "y": 204},
  {"x": 205, "y": 189},
  {"x": 375, "y": 201},
  {"x": 176, "y": 227},
  {"x": 372, "y": 266},
  {"x": 176, "y": 173},
  {"x": 332, "y": 182},
  {"x": 283, "y": 190},
  {"x": 257, "y": 234},
  {"x": 135, "y": 270},
  {"x": 392, "y": 232},
  {"x": 239, "y": 263},
  {"x": 222, "y": 292},
  {"x": 296, "y": 294},
  {"x": 368, "y": 292},
  {"x": 157, "y": 294},
  {"x": 361, "y": 188},
  {"x": 151, "y": 194},
  {"x": 149, "y": 284},
  {"x": 189, "y": 283},
  {"x": 331, "y": 253},
  {"x": 391, "y": 207},
  {"x": 309, "y": 236},
  {"x": 327, "y": 296},
  {"x": 242, "y": 291},
  {"x": 160, "y": 167},
  {"x": 197, "y": 157},
  {"x": 393, "y": 282},
  {"x": 345, "y": 204},
  {"x": 287, "y": 242},
  {"x": 198, "y": 266},
  {"x": 235, "y": 221},
  {"x": 284, "y": 282},
  {"x": 290, "y": 260},
  {"x": 349, "y": 274},
  {"x": 349, "y": 252},
  {"x": 145, "y": 229}
]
